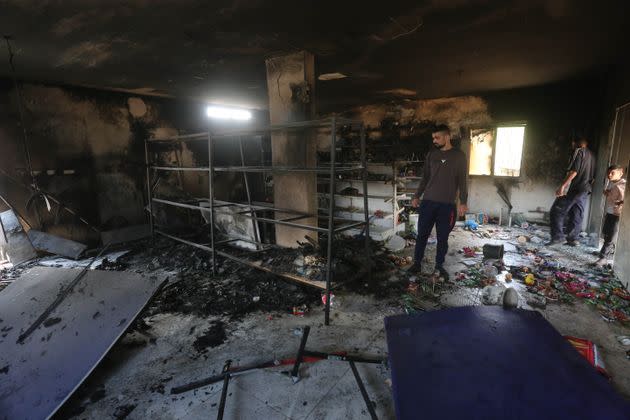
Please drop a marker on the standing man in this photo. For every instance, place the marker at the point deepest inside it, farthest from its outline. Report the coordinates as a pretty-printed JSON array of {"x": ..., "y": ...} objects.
[
  {"x": 567, "y": 211},
  {"x": 445, "y": 172},
  {"x": 614, "y": 203}
]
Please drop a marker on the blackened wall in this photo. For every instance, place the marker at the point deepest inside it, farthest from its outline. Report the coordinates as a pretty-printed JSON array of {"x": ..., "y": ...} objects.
[
  {"x": 554, "y": 114},
  {"x": 87, "y": 149},
  {"x": 615, "y": 148}
]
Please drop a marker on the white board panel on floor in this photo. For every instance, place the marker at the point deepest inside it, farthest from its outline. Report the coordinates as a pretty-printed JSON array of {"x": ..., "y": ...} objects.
[{"x": 37, "y": 377}]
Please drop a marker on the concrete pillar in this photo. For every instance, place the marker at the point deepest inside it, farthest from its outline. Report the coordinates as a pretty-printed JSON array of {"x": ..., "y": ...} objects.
[
  {"x": 621, "y": 155},
  {"x": 290, "y": 85}
]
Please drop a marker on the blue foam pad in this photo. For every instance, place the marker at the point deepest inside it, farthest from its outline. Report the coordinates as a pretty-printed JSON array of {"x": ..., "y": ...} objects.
[{"x": 492, "y": 363}]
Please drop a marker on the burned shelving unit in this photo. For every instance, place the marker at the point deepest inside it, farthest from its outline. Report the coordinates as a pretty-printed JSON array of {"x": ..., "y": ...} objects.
[{"x": 327, "y": 223}]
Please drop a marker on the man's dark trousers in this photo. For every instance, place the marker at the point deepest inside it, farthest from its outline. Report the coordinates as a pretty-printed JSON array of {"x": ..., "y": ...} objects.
[
  {"x": 442, "y": 215},
  {"x": 566, "y": 216}
]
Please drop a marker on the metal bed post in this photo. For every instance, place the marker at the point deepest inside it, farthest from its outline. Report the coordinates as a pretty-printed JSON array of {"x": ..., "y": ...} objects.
[
  {"x": 211, "y": 199},
  {"x": 249, "y": 197},
  {"x": 366, "y": 212},
  {"x": 364, "y": 393},
  {"x": 331, "y": 211},
  {"x": 148, "y": 179}
]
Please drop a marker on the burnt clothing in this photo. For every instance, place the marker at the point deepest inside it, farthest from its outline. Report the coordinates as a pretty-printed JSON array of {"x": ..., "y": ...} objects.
[
  {"x": 609, "y": 232},
  {"x": 444, "y": 173},
  {"x": 442, "y": 215},
  {"x": 566, "y": 215},
  {"x": 583, "y": 163}
]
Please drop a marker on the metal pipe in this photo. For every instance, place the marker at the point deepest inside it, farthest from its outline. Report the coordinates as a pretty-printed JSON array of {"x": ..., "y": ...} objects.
[
  {"x": 211, "y": 198},
  {"x": 366, "y": 212},
  {"x": 184, "y": 241},
  {"x": 261, "y": 219},
  {"x": 288, "y": 276},
  {"x": 249, "y": 197},
  {"x": 193, "y": 136},
  {"x": 217, "y": 378},
  {"x": 295, "y": 372},
  {"x": 177, "y": 204},
  {"x": 290, "y": 219},
  {"x": 148, "y": 182},
  {"x": 178, "y": 168},
  {"x": 281, "y": 222},
  {"x": 351, "y": 226},
  {"x": 331, "y": 211},
  {"x": 225, "y": 241},
  {"x": 364, "y": 393},
  {"x": 281, "y": 169},
  {"x": 325, "y": 122},
  {"x": 226, "y": 382},
  {"x": 343, "y": 357}
]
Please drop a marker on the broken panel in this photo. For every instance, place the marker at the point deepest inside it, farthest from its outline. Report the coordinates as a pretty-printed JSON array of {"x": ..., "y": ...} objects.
[{"x": 39, "y": 375}]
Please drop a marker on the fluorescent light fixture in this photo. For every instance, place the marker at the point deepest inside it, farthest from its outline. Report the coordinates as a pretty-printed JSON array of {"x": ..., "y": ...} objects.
[{"x": 228, "y": 113}]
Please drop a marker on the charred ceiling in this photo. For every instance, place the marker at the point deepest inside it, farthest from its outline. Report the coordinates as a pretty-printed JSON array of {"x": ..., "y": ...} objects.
[{"x": 398, "y": 49}]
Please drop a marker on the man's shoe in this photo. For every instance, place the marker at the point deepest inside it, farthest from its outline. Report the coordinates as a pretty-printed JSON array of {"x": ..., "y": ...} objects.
[
  {"x": 415, "y": 269},
  {"x": 601, "y": 262},
  {"x": 442, "y": 272},
  {"x": 552, "y": 242},
  {"x": 571, "y": 242}
]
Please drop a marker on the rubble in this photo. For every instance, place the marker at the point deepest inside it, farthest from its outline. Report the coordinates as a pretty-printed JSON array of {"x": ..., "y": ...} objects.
[
  {"x": 510, "y": 298},
  {"x": 546, "y": 278},
  {"x": 492, "y": 295},
  {"x": 237, "y": 289},
  {"x": 212, "y": 337},
  {"x": 395, "y": 243}
]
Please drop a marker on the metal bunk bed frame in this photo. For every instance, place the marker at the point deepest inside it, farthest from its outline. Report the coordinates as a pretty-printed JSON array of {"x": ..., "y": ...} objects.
[{"x": 334, "y": 224}]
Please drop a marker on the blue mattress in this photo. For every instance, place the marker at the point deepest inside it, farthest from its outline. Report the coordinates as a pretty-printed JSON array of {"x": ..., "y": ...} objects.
[{"x": 492, "y": 363}]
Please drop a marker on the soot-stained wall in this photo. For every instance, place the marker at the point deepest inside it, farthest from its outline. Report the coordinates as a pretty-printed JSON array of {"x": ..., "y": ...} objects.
[
  {"x": 554, "y": 115},
  {"x": 87, "y": 148},
  {"x": 615, "y": 148}
]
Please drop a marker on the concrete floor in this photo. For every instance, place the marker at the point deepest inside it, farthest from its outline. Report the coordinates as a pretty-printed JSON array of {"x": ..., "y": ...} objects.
[
  {"x": 327, "y": 388},
  {"x": 139, "y": 373}
]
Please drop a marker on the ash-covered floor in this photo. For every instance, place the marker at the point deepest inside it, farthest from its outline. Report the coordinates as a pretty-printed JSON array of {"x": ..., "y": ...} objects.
[{"x": 198, "y": 322}]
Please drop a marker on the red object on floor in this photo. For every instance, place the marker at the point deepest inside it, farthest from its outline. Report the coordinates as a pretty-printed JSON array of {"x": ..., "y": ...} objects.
[
  {"x": 469, "y": 252},
  {"x": 589, "y": 351}
]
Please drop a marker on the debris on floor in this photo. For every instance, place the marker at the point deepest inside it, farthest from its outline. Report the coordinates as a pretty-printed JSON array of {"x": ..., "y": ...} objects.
[
  {"x": 545, "y": 276},
  {"x": 590, "y": 352},
  {"x": 53, "y": 244},
  {"x": 212, "y": 337}
]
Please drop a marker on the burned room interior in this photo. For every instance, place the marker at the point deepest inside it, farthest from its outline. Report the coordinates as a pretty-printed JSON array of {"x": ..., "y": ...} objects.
[{"x": 314, "y": 210}]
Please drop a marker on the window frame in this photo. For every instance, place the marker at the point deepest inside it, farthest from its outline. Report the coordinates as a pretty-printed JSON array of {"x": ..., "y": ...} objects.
[{"x": 494, "y": 129}]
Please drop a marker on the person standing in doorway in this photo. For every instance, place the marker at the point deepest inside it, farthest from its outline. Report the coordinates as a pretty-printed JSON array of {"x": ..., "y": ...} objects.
[
  {"x": 567, "y": 211},
  {"x": 444, "y": 175},
  {"x": 614, "y": 203}
]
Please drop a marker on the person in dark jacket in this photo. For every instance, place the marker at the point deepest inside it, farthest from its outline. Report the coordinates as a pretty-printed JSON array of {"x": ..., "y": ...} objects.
[
  {"x": 444, "y": 176},
  {"x": 567, "y": 211}
]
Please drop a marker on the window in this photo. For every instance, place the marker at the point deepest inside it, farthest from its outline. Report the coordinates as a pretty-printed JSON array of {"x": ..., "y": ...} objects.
[
  {"x": 497, "y": 151},
  {"x": 481, "y": 142}
]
